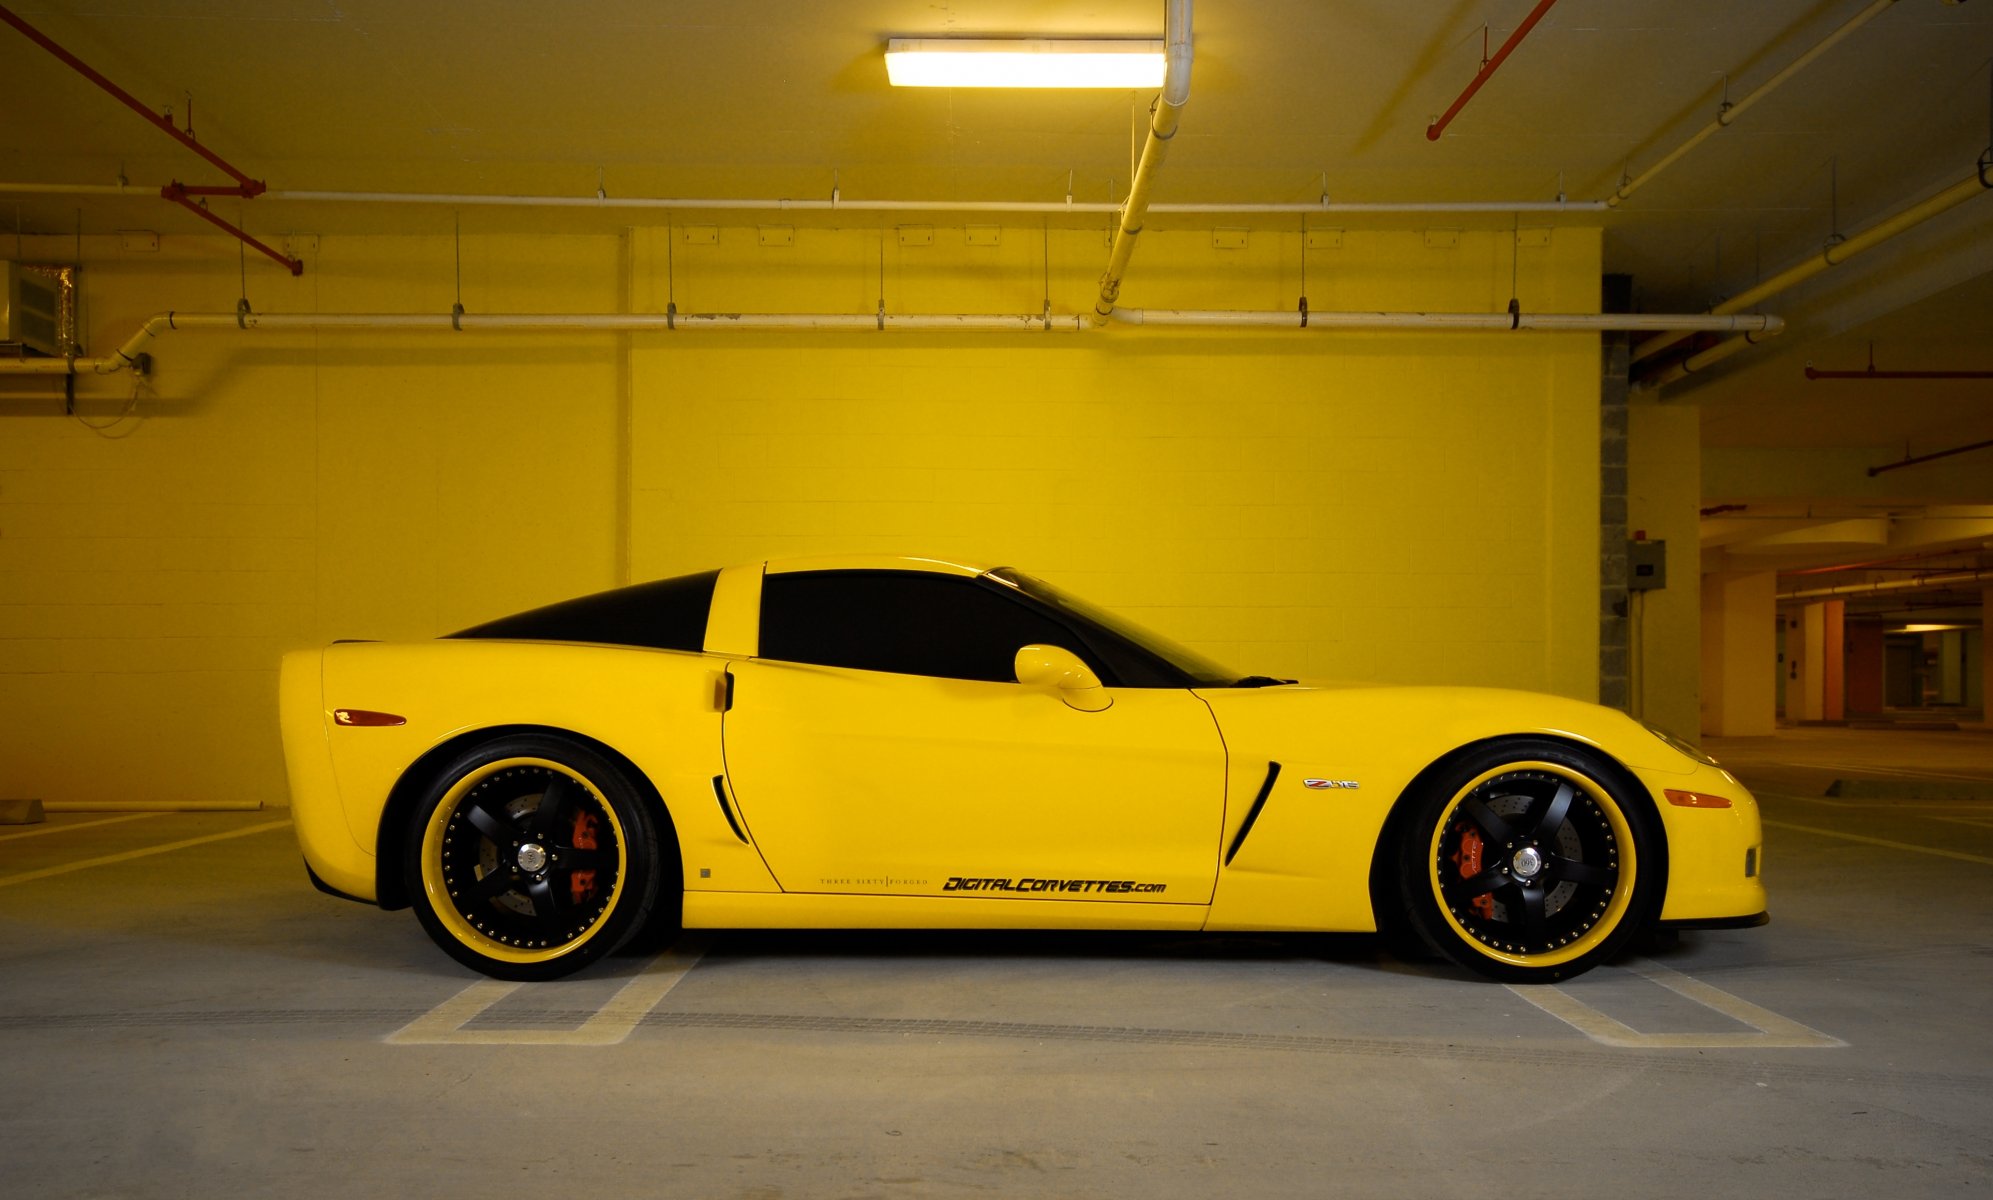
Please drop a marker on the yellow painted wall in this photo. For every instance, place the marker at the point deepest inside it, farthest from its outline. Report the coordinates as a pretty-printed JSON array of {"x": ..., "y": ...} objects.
[
  {"x": 1393, "y": 507},
  {"x": 1664, "y": 490},
  {"x": 1403, "y": 507},
  {"x": 281, "y": 491}
]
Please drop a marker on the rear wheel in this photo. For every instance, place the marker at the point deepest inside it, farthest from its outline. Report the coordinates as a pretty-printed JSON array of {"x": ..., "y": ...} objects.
[
  {"x": 1530, "y": 861},
  {"x": 531, "y": 857}
]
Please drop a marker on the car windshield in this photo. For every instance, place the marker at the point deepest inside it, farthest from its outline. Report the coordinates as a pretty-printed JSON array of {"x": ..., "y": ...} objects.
[{"x": 1195, "y": 669}]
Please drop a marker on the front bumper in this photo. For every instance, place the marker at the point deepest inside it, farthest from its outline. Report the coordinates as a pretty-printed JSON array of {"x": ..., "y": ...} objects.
[{"x": 1715, "y": 855}]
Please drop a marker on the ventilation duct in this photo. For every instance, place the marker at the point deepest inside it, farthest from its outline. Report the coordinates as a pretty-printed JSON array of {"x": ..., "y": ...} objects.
[{"x": 37, "y": 309}]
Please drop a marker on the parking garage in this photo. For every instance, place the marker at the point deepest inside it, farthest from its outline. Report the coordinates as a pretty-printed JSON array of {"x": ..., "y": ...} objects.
[{"x": 1627, "y": 354}]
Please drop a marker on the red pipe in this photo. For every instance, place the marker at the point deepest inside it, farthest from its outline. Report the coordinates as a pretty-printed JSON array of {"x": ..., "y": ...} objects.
[
  {"x": 1924, "y": 458},
  {"x": 246, "y": 188},
  {"x": 178, "y": 195},
  {"x": 1488, "y": 68}
]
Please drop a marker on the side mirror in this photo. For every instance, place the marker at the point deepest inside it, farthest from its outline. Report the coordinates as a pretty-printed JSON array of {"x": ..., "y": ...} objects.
[{"x": 1053, "y": 667}]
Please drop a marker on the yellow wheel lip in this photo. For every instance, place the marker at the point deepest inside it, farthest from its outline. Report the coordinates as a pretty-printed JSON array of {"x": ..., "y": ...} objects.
[
  {"x": 439, "y": 896},
  {"x": 1622, "y": 895}
]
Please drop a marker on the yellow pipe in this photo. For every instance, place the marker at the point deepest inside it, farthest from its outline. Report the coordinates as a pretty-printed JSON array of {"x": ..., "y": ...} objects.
[
  {"x": 1833, "y": 256},
  {"x": 1730, "y": 112},
  {"x": 1162, "y": 127},
  {"x": 1717, "y": 353}
]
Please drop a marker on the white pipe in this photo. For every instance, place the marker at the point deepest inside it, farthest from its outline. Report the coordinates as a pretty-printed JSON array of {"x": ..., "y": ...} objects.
[
  {"x": 128, "y": 355},
  {"x": 839, "y": 204},
  {"x": 832, "y": 204},
  {"x": 78, "y": 189},
  {"x": 1545, "y": 322},
  {"x": 1729, "y": 112},
  {"x": 1162, "y": 127}
]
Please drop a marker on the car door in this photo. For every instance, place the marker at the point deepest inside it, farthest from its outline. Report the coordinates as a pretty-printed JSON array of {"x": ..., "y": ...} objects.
[{"x": 881, "y": 744}]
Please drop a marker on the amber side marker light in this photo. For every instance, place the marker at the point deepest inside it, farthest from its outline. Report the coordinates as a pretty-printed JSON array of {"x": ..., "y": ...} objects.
[
  {"x": 1696, "y": 799},
  {"x": 366, "y": 717}
]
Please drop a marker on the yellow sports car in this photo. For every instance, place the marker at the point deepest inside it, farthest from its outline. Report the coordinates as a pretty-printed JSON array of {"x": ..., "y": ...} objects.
[{"x": 907, "y": 743}]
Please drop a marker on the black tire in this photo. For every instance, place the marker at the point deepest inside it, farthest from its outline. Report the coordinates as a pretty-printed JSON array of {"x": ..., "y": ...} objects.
[
  {"x": 532, "y": 856},
  {"x": 1530, "y": 861}
]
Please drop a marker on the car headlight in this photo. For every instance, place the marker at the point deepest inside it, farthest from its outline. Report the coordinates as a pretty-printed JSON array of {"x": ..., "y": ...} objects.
[{"x": 1682, "y": 746}]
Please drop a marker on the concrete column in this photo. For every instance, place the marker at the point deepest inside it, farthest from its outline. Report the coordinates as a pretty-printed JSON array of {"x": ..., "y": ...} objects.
[
  {"x": 1986, "y": 654},
  {"x": 1615, "y": 633},
  {"x": 1663, "y": 496},
  {"x": 1833, "y": 660},
  {"x": 1806, "y": 665},
  {"x": 1739, "y": 654},
  {"x": 1951, "y": 667}
]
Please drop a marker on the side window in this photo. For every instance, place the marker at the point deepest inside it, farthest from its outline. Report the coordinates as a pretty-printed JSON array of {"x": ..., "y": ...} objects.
[
  {"x": 665, "y": 614},
  {"x": 908, "y": 622}
]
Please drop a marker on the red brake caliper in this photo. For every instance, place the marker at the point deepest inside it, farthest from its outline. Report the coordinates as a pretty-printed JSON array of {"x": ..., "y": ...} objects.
[
  {"x": 582, "y": 883},
  {"x": 1468, "y": 859}
]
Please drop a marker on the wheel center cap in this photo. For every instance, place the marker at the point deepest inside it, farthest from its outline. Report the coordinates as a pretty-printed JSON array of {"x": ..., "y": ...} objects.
[
  {"x": 1528, "y": 861},
  {"x": 532, "y": 857}
]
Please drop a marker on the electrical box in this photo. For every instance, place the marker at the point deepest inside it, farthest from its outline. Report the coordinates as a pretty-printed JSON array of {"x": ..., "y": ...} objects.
[
  {"x": 31, "y": 308},
  {"x": 1646, "y": 566}
]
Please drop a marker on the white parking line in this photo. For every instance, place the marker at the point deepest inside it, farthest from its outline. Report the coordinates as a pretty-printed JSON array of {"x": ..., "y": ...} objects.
[
  {"x": 1856, "y": 837},
  {"x": 1905, "y": 772},
  {"x": 8, "y": 837},
  {"x": 127, "y": 856},
  {"x": 616, "y": 1020},
  {"x": 1770, "y": 1031}
]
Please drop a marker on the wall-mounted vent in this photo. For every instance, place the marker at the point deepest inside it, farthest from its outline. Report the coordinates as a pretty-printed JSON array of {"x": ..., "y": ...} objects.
[{"x": 38, "y": 309}]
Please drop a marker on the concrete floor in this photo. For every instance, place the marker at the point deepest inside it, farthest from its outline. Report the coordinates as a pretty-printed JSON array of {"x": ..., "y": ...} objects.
[{"x": 181, "y": 1015}]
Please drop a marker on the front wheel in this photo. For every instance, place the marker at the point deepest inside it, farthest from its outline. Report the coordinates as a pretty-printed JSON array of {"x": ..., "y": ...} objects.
[
  {"x": 1530, "y": 861},
  {"x": 531, "y": 857}
]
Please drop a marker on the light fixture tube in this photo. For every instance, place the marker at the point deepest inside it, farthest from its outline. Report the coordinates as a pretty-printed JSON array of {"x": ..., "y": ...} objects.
[{"x": 1024, "y": 63}]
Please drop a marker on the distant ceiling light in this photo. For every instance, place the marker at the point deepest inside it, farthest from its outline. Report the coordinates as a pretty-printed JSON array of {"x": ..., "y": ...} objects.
[
  {"x": 1024, "y": 63},
  {"x": 1926, "y": 628}
]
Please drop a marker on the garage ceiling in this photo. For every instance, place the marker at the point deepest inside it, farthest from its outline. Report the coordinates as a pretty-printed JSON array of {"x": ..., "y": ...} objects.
[{"x": 768, "y": 98}]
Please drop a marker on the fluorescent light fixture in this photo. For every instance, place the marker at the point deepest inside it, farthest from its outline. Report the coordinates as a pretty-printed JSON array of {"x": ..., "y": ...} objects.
[
  {"x": 1024, "y": 63},
  {"x": 1926, "y": 628}
]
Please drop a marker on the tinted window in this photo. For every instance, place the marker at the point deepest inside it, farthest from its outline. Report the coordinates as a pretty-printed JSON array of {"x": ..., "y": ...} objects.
[
  {"x": 1138, "y": 657},
  {"x": 665, "y": 614},
  {"x": 907, "y": 622}
]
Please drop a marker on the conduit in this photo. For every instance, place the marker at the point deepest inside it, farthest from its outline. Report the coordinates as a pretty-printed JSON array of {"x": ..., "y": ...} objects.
[
  {"x": 1916, "y": 583},
  {"x": 133, "y": 354},
  {"x": 1162, "y": 127},
  {"x": 1728, "y": 112},
  {"x": 1832, "y": 256},
  {"x": 1488, "y": 68}
]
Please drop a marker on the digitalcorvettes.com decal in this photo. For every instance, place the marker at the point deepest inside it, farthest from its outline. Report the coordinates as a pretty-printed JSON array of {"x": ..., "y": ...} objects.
[{"x": 957, "y": 883}]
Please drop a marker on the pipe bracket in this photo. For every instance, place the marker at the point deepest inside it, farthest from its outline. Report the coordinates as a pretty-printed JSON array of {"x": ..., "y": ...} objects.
[
  {"x": 457, "y": 316},
  {"x": 1304, "y": 312},
  {"x": 671, "y": 316}
]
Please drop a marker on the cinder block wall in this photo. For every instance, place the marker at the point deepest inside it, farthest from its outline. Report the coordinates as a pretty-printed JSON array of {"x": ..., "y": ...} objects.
[{"x": 1403, "y": 507}]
